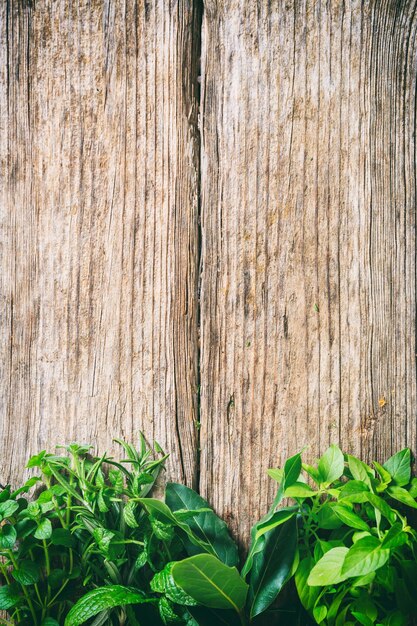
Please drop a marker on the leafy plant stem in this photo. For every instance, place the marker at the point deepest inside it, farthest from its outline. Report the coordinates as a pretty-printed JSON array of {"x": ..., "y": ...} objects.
[{"x": 25, "y": 592}]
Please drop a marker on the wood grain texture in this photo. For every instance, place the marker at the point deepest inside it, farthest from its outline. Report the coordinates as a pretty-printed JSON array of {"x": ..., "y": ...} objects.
[
  {"x": 99, "y": 226},
  {"x": 308, "y": 229}
]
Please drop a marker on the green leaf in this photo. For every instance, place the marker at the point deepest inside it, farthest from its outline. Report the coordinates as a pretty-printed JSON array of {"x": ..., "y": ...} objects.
[
  {"x": 44, "y": 529},
  {"x": 163, "y": 582},
  {"x": 292, "y": 470},
  {"x": 277, "y": 518},
  {"x": 167, "y": 612},
  {"x": 211, "y": 583},
  {"x": 299, "y": 490},
  {"x": 319, "y": 613},
  {"x": 395, "y": 537},
  {"x": 413, "y": 488},
  {"x": 8, "y": 536},
  {"x": 207, "y": 526},
  {"x": 399, "y": 467},
  {"x": 331, "y": 465},
  {"x": 272, "y": 566},
  {"x": 365, "y": 556},
  {"x": 328, "y": 570},
  {"x": 9, "y": 597},
  {"x": 383, "y": 473},
  {"x": 276, "y": 474},
  {"x": 354, "y": 491},
  {"x": 349, "y": 518},
  {"x": 129, "y": 514},
  {"x": 27, "y": 574},
  {"x": 382, "y": 506},
  {"x": 163, "y": 531},
  {"x": 101, "y": 599},
  {"x": 360, "y": 471},
  {"x": 63, "y": 537},
  {"x": 308, "y": 595},
  {"x": 50, "y": 621},
  {"x": 402, "y": 495},
  {"x": 8, "y": 508}
]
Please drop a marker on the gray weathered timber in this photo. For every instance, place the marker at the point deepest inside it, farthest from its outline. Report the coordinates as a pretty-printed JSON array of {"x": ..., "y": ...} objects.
[
  {"x": 304, "y": 288},
  {"x": 98, "y": 226},
  {"x": 308, "y": 230}
]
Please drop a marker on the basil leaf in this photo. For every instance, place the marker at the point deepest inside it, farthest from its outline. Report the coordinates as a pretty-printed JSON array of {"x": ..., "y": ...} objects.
[
  {"x": 331, "y": 465},
  {"x": 399, "y": 466}
]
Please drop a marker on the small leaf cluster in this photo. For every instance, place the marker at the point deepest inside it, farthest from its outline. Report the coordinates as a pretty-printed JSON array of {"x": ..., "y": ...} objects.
[{"x": 356, "y": 548}]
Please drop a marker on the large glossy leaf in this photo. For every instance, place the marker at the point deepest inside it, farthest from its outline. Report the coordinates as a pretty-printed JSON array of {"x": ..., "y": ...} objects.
[
  {"x": 399, "y": 466},
  {"x": 331, "y": 464},
  {"x": 210, "y": 582},
  {"x": 328, "y": 570},
  {"x": 208, "y": 526},
  {"x": 272, "y": 566},
  {"x": 364, "y": 557},
  {"x": 101, "y": 599}
]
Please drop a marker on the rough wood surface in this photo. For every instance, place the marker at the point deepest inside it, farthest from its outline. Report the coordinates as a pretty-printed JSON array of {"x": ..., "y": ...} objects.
[
  {"x": 308, "y": 230},
  {"x": 99, "y": 232}
]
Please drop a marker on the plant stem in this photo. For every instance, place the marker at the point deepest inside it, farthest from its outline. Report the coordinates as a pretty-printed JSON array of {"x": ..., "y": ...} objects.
[{"x": 27, "y": 596}]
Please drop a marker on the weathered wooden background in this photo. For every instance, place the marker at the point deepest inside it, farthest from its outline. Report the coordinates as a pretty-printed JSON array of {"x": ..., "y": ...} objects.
[{"x": 222, "y": 254}]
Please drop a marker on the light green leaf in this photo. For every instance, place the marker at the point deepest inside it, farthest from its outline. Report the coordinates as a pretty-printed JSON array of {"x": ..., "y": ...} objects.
[
  {"x": 349, "y": 518},
  {"x": 359, "y": 470},
  {"x": 402, "y": 495},
  {"x": 319, "y": 613},
  {"x": 380, "y": 504},
  {"x": 354, "y": 491},
  {"x": 210, "y": 582},
  {"x": 101, "y": 599},
  {"x": 299, "y": 490},
  {"x": 331, "y": 464},
  {"x": 328, "y": 570},
  {"x": 276, "y": 473},
  {"x": 395, "y": 537},
  {"x": 384, "y": 474},
  {"x": 308, "y": 595},
  {"x": 365, "y": 556},
  {"x": 399, "y": 467}
]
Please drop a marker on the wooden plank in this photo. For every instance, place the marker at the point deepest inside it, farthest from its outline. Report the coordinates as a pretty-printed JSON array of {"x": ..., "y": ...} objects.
[
  {"x": 99, "y": 226},
  {"x": 308, "y": 229}
]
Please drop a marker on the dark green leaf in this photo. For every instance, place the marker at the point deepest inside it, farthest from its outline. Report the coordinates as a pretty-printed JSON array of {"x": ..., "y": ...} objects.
[
  {"x": 8, "y": 536},
  {"x": 163, "y": 582},
  {"x": 272, "y": 566},
  {"x": 62, "y": 537},
  {"x": 207, "y": 526},
  {"x": 9, "y": 596},
  {"x": 27, "y": 574}
]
